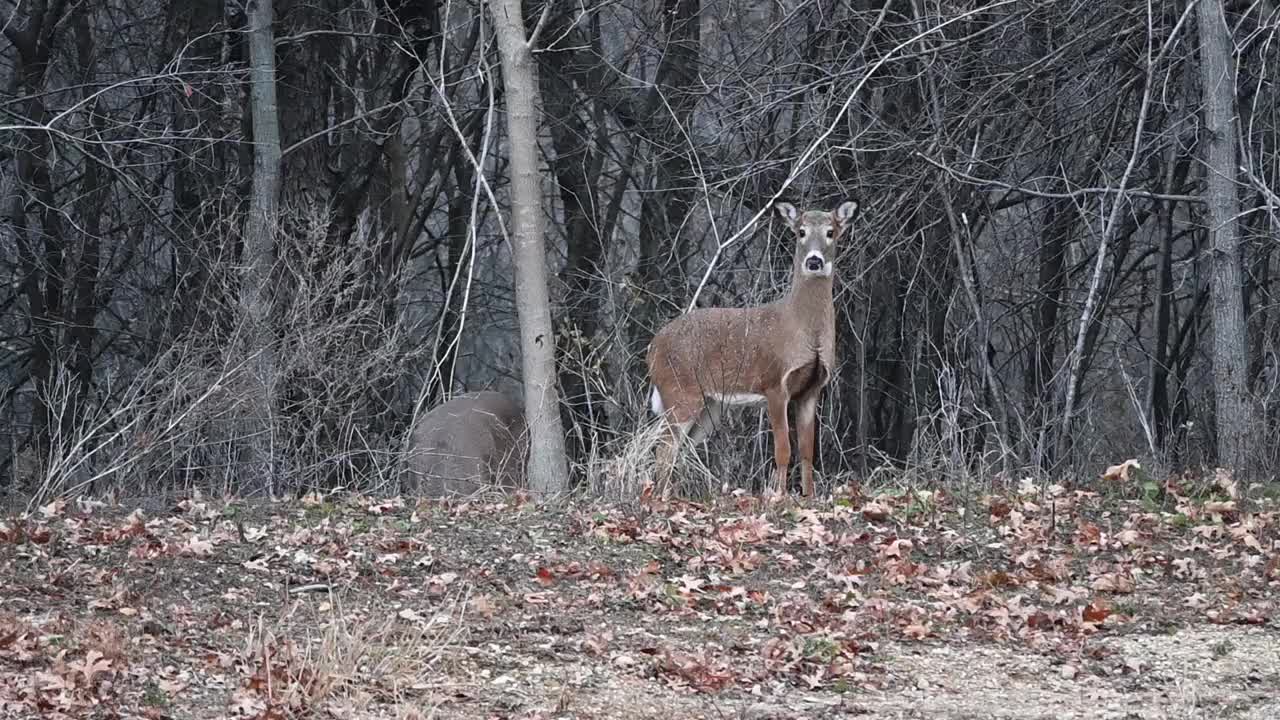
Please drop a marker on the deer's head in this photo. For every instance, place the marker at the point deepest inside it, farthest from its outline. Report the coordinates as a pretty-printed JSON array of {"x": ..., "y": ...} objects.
[{"x": 816, "y": 234}]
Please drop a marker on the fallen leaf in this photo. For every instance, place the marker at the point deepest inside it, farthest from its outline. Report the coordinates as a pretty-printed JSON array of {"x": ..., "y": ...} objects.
[
  {"x": 1119, "y": 583},
  {"x": 411, "y": 615},
  {"x": 917, "y": 631},
  {"x": 1096, "y": 612},
  {"x": 199, "y": 547},
  {"x": 1121, "y": 472},
  {"x": 595, "y": 644},
  {"x": 875, "y": 511},
  {"x": 484, "y": 605},
  {"x": 1220, "y": 507}
]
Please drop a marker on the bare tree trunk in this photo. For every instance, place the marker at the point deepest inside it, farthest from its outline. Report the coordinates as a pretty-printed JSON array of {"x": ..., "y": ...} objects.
[
  {"x": 1051, "y": 252},
  {"x": 665, "y": 208},
  {"x": 548, "y": 469},
  {"x": 259, "y": 242},
  {"x": 1237, "y": 417},
  {"x": 1162, "y": 360},
  {"x": 1165, "y": 299},
  {"x": 577, "y": 168},
  {"x": 40, "y": 248}
]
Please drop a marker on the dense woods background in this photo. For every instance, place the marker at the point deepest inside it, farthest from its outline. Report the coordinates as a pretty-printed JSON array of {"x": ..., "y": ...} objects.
[{"x": 1064, "y": 256}]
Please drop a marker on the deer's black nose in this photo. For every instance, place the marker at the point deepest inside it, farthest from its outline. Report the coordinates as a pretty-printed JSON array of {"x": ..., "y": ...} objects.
[{"x": 813, "y": 264}]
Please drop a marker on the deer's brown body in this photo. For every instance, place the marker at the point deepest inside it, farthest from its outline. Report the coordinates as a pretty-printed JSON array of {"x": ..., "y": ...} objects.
[
  {"x": 471, "y": 442},
  {"x": 773, "y": 354}
]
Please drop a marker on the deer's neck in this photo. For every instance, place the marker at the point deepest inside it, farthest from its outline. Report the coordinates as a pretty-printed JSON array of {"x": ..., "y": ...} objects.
[{"x": 809, "y": 297}]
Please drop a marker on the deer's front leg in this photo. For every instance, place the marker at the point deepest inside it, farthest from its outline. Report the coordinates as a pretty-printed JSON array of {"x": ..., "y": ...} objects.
[
  {"x": 781, "y": 440},
  {"x": 806, "y": 419}
]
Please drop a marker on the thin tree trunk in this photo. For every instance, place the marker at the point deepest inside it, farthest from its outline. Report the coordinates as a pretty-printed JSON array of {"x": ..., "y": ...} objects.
[
  {"x": 85, "y": 302},
  {"x": 1237, "y": 417},
  {"x": 548, "y": 469},
  {"x": 577, "y": 167},
  {"x": 1164, "y": 308},
  {"x": 1059, "y": 224},
  {"x": 1079, "y": 353},
  {"x": 1162, "y": 359},
  {"x": 40, "y": 249},
  {"x": 458, "y": 228},
  {"x": 259, "y": 243},
  {"x": 665, "y": 207}
]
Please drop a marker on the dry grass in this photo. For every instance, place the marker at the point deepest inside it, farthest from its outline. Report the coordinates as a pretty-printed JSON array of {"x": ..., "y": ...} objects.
[{"x": 322, "y": 658}]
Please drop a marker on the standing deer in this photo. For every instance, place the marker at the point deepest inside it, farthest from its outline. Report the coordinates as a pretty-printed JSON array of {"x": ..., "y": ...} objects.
[{"x": 773, "y": 354}]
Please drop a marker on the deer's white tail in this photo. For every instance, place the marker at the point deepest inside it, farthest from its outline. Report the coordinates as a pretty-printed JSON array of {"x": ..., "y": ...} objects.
[{"x": 655, "y": 401}]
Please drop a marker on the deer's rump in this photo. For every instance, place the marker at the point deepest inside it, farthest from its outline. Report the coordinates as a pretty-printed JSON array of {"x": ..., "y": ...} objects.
[{"x": 471, "y": 442}]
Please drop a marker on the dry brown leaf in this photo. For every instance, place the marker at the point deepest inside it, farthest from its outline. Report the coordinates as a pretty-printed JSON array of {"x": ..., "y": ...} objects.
[
  {"x": 1220, "y": 507},
  {"x": 876, "y": 511},
  {"x": 1222, "y": 478},
  {"x": 1096, "y": 612},
  {"x": 1120, "y": 583},
  {"x": 596, "y": 643},
  {"x": 917, "y": 631},
  {"x": 900, "y": 548},
  {"x": 1121, "y": 472},
  {"x": 484, "y": 606}
]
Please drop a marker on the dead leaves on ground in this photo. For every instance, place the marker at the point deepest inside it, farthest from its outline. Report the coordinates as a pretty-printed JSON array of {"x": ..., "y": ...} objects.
[
  {"x": 50, "y": 679},
  {"x": 706, "y": 598},
  {"x": 1050, "y": 567}
]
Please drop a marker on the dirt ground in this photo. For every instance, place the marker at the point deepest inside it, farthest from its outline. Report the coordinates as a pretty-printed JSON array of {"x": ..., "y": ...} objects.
[{"x": 1034, "y": 603}]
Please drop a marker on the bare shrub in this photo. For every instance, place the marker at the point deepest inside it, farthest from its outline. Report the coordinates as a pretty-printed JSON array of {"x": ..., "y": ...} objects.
[{"x": 176, "y": 423}]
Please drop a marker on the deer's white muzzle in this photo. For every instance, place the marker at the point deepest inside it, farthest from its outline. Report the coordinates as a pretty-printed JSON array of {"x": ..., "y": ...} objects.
[{"x": 815, "y": 263}]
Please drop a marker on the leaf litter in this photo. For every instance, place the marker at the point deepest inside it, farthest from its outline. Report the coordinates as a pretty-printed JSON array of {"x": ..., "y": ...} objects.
[{"x": 1032, "y": 603}]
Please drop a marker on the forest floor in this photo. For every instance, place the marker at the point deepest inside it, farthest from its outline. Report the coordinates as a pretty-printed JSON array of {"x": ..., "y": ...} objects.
[{"x": 1037, "y": 602}]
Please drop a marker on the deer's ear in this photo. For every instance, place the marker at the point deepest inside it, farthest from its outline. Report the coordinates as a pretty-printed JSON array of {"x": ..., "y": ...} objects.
[
  {"x": 787, "y": 211},
  {"x": 845, "y": 212}
]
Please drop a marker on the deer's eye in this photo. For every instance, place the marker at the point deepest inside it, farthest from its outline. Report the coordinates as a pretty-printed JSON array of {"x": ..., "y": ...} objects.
[
  {"x": 803, "y": 232},
  {"x": 829, "y": 231}
]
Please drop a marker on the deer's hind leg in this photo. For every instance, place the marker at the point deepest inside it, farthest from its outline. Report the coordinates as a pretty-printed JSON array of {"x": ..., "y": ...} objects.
[
  {"x": 707, "y": 420},
  {"x": 678, "y": 422}
]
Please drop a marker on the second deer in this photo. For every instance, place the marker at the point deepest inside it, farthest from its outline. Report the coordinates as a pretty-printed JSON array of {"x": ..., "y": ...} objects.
[
  {"x": 470, "y": 443},
  {"x": 771, "y": 354}
]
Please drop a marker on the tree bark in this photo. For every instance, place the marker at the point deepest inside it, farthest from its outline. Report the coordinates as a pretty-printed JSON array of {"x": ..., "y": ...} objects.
[
  {"x": 548, "y": 469},
  {"x": 259, "y": 253},
  {"x": 1237, "y": 417}
]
